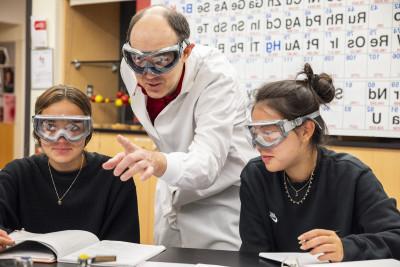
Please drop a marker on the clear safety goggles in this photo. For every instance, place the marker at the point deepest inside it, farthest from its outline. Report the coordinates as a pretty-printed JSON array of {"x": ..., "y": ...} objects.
[
  {"x": 52, "y": 128},
  {"x": 267, "y": 134},
  {"x": 156, "y": 62}
]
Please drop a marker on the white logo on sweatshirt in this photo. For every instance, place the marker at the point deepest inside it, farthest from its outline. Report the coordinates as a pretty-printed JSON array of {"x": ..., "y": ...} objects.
[{"x": 273, "y": 217}]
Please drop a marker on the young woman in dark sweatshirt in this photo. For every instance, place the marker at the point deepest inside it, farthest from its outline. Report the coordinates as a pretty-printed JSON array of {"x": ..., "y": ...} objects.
[
  {"x": 65, "y": 187},
  {"x": 299, "y": 196}
]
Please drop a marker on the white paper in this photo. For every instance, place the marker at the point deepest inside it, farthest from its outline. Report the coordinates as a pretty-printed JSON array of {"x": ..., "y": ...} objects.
[
  {"x": 303, "y": 258},
  {"x": 42, "y": 69},
  {"x": 128, "y": 254},
  {"x": 370, "y": 263},
  {"x": 39, "y": 32}
]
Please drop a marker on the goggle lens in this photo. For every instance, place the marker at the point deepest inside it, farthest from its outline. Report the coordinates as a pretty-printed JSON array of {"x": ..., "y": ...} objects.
[
  {"x": 52, "y": 128},
  {"x": 266, "y": 138},
  {"x": 163, "y": 60},
  {"x": 158, "y": 62}
]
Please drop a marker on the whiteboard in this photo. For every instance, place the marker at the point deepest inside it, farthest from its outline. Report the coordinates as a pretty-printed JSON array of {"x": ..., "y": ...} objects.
[{"x": 357, "y": 42}]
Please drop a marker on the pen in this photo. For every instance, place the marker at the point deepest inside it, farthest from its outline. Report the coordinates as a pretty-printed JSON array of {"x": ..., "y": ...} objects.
[
  {"x": 85, "y": 260},
  {"x": 104, "y": 258}
]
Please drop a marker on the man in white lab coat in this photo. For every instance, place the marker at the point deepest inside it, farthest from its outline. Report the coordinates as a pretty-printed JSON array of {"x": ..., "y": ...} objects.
[{"x": 187, "y": 98}]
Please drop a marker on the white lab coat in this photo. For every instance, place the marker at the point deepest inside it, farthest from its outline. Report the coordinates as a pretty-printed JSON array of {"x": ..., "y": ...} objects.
[{"x": 204, "y": 139}]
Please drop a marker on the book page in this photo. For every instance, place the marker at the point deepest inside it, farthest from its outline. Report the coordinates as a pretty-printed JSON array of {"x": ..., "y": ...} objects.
[
  {"x": 61, "y": 242},
  {"x": 129, "y": 254},
  {"x": 302, "y": 258},
  {"x": 38, "y": 252},
  {"x": 368, "y": 263}
]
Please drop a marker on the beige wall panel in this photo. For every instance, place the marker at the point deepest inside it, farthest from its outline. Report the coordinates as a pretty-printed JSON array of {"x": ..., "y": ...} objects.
[
  {"x": 6, "y": 147},
  {"x": 383, "y": 162}
]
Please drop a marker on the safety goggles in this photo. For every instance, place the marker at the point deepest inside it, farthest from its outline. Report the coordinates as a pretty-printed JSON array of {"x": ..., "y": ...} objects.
[
  {"x": 268, "y": 134},
  {"x": 52, "y": 128},
  {"x": 156, "y": 62}
]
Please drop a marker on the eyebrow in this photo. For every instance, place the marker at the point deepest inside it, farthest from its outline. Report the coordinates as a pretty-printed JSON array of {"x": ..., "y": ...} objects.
[{"x": 153, "y": 51}]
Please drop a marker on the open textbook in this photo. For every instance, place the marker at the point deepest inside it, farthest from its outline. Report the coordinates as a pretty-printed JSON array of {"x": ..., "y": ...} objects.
[{"x": 66, "y": 246}]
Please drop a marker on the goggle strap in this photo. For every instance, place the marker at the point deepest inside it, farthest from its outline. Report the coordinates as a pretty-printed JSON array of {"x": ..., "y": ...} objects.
[
  {"x": 290, "y": 125},
  {"x": 50, "y": 117}
]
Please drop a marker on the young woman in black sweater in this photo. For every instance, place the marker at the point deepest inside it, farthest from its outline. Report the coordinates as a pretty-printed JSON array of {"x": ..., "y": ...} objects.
[
  {"x": 299, "y": 196},
  {"x": 65, "y": 187}
]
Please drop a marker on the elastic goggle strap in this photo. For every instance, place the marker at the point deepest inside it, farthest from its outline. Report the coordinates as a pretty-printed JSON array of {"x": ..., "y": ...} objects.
[
  {"x": 73, "y": 128},
  {"x": 290, "y": 125}
]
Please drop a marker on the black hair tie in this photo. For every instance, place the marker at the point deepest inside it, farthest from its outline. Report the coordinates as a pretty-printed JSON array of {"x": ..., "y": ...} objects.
[{"x": 314, "y": 81}]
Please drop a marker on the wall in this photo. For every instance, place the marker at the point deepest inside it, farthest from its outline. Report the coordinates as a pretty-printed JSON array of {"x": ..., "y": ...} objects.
[
  {"x": 12, "y": 29},
  {"x": 6, "y": 148},
  {"x": 92, "y": 34},
  {"x": 12, "y": 11}
]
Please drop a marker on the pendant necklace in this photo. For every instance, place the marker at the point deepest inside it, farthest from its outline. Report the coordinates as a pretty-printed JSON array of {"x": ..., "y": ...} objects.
[
  {"x": 60, "y": 199},
  {"x": 307, "y": 184}
]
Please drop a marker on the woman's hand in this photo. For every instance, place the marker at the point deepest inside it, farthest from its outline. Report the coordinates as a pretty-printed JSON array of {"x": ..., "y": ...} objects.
[
  {"x": 5, "y": 240},
  {"x": 323, "y": 241}
]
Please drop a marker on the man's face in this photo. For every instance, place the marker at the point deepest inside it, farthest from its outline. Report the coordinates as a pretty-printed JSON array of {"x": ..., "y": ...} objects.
[{"x": 152, "y": 33}]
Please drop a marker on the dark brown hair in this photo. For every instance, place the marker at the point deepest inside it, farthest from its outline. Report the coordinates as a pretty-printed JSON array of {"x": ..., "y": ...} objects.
[
  {"x": 58, "y": 93},
  {"x": 296, "y": 98},
  {"x": 176, "y": 21}
]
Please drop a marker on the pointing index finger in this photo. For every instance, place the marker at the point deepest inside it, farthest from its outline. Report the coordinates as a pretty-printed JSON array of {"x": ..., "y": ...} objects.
[{"x": 126, "y": 144}]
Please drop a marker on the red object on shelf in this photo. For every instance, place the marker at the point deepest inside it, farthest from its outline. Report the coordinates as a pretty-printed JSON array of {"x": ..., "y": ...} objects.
[
  {"x": 8, "y": 108},
  {"x": 125, "y": 99},
  {"x": 141, "y": 4},
  {"x": 119, "y": 94}
]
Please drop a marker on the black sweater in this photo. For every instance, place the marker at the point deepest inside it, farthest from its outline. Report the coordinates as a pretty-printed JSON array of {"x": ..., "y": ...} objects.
[
  {"x": 345, "y": 196},
  {"x": 98, "y": 201}
]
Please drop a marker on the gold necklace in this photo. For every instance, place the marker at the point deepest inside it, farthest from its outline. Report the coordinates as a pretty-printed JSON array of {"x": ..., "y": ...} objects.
[
  {"x": 293, "y": 188},
  {"x": 309, "y": 183},
  {"x": 70, "y": 186}
]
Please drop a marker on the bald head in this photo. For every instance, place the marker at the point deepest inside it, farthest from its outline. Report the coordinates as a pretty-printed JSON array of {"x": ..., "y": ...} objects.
[
  {"x": 169, "y": 19},
  {"x": 157, "y": 10}
]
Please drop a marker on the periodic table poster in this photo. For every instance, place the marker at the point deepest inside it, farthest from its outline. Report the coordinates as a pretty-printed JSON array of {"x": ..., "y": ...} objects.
[{"x": 357, "y": 42}]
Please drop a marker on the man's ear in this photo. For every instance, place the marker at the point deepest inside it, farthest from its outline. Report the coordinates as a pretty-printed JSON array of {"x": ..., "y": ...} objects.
[{"x": 187, "y": 51}]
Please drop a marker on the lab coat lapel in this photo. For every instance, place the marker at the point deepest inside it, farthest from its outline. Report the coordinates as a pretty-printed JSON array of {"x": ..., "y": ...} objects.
[
  {"x": 138, "y": 100},
  {"x": 139, "y": 109}
]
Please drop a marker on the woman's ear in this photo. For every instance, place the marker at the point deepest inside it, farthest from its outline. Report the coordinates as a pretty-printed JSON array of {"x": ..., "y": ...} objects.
[{"x": 306, "y": 130}]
